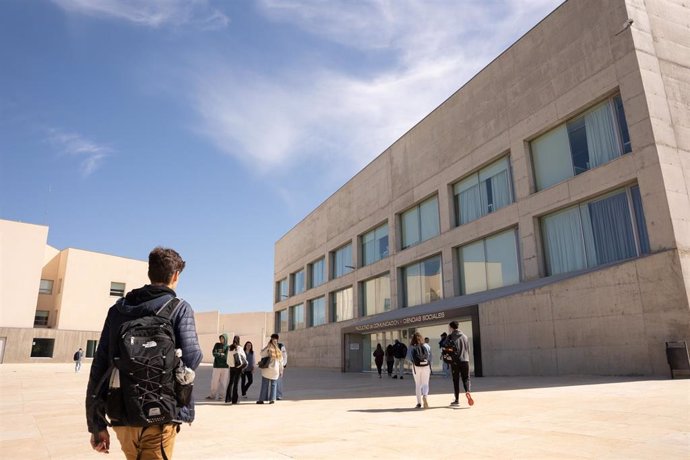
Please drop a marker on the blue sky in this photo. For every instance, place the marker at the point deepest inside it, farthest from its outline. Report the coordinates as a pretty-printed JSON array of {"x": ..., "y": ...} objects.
[{"x": 215, "y": 127}]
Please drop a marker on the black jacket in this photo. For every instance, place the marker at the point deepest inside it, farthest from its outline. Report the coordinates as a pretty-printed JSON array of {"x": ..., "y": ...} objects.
[{"x": 140, "y": 302}]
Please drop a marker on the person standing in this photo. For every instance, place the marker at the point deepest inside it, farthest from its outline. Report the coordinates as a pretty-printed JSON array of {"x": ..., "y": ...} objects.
[
  {"x": 238, "y": 362},
  {"x": 279, "y": 384},
  {"x": 400, "y": 352},
  {"x": 378, "y": 358},
  {"x": 248, "y": 372},
  {"x": 272, "y": 371},
  {"x": 446, "y": 366},
  {"x": 153, "y": 441},
  {"x": 390, "y": 359},
  {"x": 221, "y": 372},
  {"x": 457, "y": 347},
  {"x": 419, "y": 355},
  {"x": 78, "y": 356}
]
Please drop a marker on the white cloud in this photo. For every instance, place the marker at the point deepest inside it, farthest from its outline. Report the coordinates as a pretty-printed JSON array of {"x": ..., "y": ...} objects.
[
  {"x": 151, "y": 13},
  {"x": 90, "y": 153},
  {"x": 351, "y": 115}
]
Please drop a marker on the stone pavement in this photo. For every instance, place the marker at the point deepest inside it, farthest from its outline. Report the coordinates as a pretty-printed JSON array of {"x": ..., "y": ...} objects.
[{"x": 327, "y": 414}]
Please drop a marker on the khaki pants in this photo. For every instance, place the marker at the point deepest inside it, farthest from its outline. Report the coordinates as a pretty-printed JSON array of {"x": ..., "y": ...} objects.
[{"x": 154, "y": 442}]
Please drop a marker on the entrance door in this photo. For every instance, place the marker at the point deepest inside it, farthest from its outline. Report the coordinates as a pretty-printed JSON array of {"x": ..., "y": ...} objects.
[
  {"x": 3, "y": 340},
  {"x": 354, "y": 353}
]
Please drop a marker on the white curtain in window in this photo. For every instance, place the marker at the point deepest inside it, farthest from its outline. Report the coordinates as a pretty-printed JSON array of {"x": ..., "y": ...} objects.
[
  {"x": 551, "y": 157},
  {"x": 429, "y": 222},
  {"x": 410, "y": 227},
  {"x": 500, "y": 187},
  {"x": 470, "y": 205},
  {"x": 602, "y": 141},
  {"x": 564, "y": 245}
]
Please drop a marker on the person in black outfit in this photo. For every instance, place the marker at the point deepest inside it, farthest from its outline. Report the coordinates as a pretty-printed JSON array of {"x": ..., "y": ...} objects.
[
  {"x": 390, "y": 359},
  {"x": 460, "y": 366},
  {"x": 248, "y": 372},
  {"x": 378, "y": 358},
  {"x": 231, "y": 394}
]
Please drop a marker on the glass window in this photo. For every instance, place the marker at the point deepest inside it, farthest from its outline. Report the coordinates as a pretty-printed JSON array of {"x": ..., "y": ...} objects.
[
  {"x": 489, "y": 263},
  {"x": 342, "y": 306},
  {"x": 297, "y": 317},
  {"x": 41, "y": 318},
  {"x": 420, "y": 223},
  {"x": 375, "y": 245},
  {"x": 591, "y": 139},
  {"x": 281, "y": 290},
  {"x": 42, "y": 348},
  {"x": 46, "y": 287},
  {"x": 423, "y": 282},
  {"x": 318, "y": 311},
  {"x": 593, "y": 233},
  {"x": 298, "y": 282},
  {"x": 642, "y": 234},
  {"x": 317, "y": 273},
  {"x": 91, "y": 346},
  {"x": 117, "y": 289},
  {"x": 376, "y": 295},
  {"x": 483, "y": 192},
  {"x": 282, "y": 320},
  {"x": 342, "y": 261}
]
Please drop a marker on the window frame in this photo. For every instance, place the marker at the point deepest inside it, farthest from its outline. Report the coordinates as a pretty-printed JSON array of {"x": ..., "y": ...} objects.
[
  {"x": 347, "y": 269},
  {"x": 377, "y": 256},
  {"x": 363, "y": 303},
  {"x": 310, "y": 322},
  {"x": 334, "y": 306},
  {"x": 420, "y": 230},
  {"x": 114, "y": 292},
  {"x": 310, "y": 273},
  {"x": 42, "y": 290},
  {"x": 403, "y": 277},
  {"x": 45, "y": 319}
]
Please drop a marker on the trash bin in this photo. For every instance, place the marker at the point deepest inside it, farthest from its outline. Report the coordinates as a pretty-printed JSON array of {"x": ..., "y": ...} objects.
[{"x": 678, "y": 359}]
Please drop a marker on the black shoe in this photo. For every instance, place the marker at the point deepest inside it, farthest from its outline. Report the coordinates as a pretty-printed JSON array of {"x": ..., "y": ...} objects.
[
  {"x": 418, "y": 406},
  {"x": 395, "y": 376},
  {"x": 401, "y": 377},
  {"x": 455, "y": 403},
  {"x": 259, "y": 402},
  {"x": 272, "y": 402}
]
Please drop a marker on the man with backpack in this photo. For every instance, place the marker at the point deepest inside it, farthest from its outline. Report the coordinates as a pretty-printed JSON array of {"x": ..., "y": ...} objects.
[
  {"x": 78, "y": 356},
  {"x": 399, "y": 352},
  {"x": 456, "y": 353},
  {"x": 140, "y": 373}
]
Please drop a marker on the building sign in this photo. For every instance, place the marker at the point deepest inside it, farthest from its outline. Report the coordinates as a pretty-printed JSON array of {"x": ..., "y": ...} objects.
[
  {"x": 354, "y": 346},
  {"x": 403, "y": 322}
]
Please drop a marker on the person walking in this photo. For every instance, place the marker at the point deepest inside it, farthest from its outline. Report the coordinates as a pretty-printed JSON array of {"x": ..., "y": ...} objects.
[
  {"x": 248, "y": 372},
  {"x": 273, "y": 370},
  {"x": 390, "y": 359},
  {"x": 221, "y": 372},
  {"x": 456, "y": 350},
  {"x": 378, "y": 358},
  {"x": 419, "y": 355},
  {"x": 399, "y": 352},
  {"x": 78, "y": 356},
  {"x": 155, "y": 441},
  {"x": 446, "y": 365},
  {"x": 237, "y": 362},
  {"x": 279, "y": 383}
]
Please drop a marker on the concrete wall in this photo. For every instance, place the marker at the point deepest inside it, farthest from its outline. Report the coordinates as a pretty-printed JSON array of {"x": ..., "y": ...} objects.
[
  {"x": 22, "y": 252},
  {"x": 19, "y": 341},
  {"x": 576, "y": 57},
  {"x": 254, "y": 327}
]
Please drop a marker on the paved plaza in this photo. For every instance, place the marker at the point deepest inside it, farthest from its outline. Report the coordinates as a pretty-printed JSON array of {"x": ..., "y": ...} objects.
[{"x": 327, "y": 414}]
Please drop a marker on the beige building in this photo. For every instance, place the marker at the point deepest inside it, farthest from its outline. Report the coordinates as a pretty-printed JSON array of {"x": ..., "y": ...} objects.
[
  {"x": 545, "y": 205},
  {"x": 52, "y": 302}
]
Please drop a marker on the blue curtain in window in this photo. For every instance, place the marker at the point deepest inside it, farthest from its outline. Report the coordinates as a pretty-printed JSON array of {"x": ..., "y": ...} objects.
[
  {"x": 612, "y": 229},
  {"x": 642, "y": 234}
]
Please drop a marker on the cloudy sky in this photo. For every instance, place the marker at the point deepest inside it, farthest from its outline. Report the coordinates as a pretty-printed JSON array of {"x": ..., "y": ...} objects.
[{"x": 214, "y": 127}]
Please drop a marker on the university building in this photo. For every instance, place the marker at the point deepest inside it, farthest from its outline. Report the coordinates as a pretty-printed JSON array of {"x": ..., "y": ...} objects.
[
  {"x": 545, "y": 206},
  {"x": 53, "y": 302}
]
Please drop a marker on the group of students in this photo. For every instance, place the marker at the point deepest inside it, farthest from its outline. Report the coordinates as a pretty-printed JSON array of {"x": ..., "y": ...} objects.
[
  {"x": 233, "y": 370},
  {"x": 454, "y": 353}
]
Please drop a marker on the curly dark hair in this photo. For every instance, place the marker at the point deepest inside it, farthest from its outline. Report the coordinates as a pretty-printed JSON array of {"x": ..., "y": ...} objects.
[{"x": 163, "y": 263}]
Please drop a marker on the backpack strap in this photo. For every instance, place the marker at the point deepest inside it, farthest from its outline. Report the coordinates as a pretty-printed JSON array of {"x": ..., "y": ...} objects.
[{"x": 169, "y": 309}]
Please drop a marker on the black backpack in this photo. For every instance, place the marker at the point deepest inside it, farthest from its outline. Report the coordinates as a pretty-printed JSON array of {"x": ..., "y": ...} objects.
[
  {"x": 420, "y": 355},
  {"x": 142, "y": 384},
  {"x": 450, "y": 352},
  {"x": 76, "y": 356}
]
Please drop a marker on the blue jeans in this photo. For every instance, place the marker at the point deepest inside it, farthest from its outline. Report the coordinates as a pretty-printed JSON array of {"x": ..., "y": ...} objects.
[
  {"x": 268, "y": 389},
  {"x": 279, "y": 388}
]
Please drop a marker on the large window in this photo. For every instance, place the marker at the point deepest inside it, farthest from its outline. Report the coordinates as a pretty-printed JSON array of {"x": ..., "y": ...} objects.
[
  {"x": 342, "y": 305},
  {"x": 42, "y": 348},
  {"x": 297, "y": 317},
  {"x": 483, "y": 192},
  {"x": 420, "y": 223},
  {"x": 342, "y": 261},
  {"x": 589, "y": 140},
  {"x": 298, "y": 282},
  {"x": 281, "y": 290},
  {"x": 46, "y": 287},
  {"x": 376, "y": 295},
  {"x": 41, "y": 318},
  {"x": 489, "y": 263},
  {"x": 423, "y": 282},
  {"x": 318, "y": 311},
  {"x": 282, "y": 321},
  {"x": 91, "y": 346},
  {"x": 596, "y": 232},
  {"x": 375, "y": 245},
  {"x": 317, "y": 273},
  {"x": 117, "y": 289}
]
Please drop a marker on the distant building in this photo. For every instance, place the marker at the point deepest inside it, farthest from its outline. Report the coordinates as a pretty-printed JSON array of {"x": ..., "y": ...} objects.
[
  {"x": 545, "y": 205},
  {"x": 52, "y": 302}
]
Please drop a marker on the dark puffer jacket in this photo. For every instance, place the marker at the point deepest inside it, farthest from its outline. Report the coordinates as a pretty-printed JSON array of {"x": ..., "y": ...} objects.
[{"x": 138, "y": 303}]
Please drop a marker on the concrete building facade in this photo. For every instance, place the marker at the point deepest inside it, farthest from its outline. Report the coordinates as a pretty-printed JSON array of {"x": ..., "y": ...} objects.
[{"x": 545, "y": 205}]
